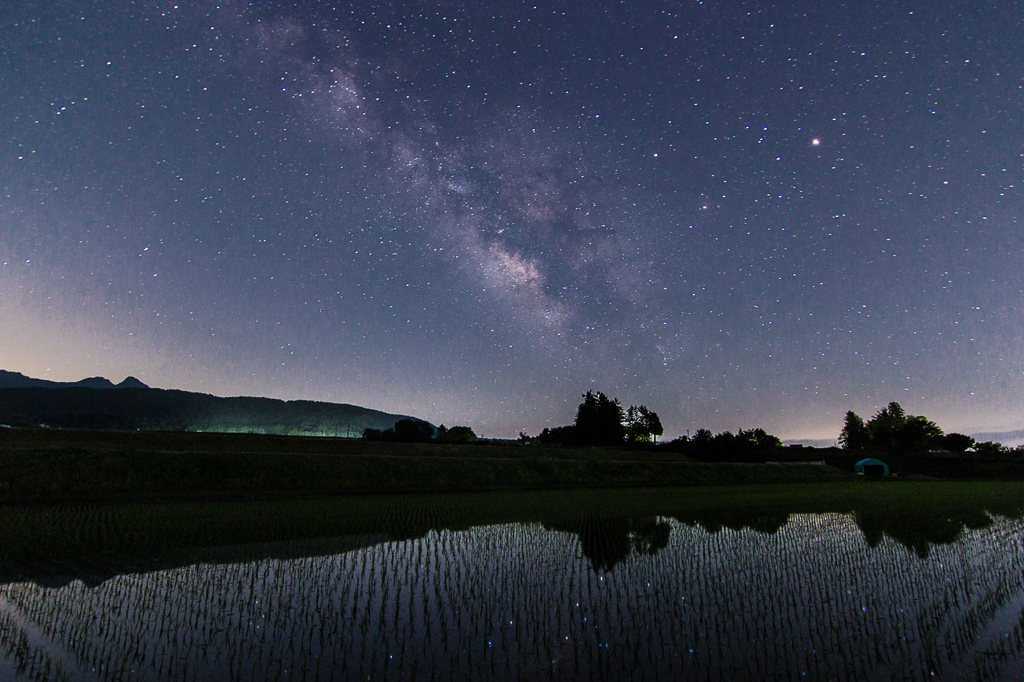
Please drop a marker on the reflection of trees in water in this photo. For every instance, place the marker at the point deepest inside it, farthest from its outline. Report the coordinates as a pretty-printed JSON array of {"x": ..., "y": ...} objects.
[
  {"x": 917, "y": 532},
  {"x": 607, "y": 541},
  {"x": 717, "y": 520},
  {"x": 49, "y": 548},
  {"x": 519, "y": 601},
  {"x": 610, "y": 541},
  {"x": 55, "y": 545}
]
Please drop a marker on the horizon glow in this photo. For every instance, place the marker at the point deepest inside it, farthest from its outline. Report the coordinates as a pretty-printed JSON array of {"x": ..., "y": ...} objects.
[{"x": 740, "y": 215}]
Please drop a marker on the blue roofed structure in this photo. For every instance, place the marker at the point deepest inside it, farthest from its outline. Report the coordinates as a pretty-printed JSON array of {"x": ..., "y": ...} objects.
[{"x": 871, "y": 467}]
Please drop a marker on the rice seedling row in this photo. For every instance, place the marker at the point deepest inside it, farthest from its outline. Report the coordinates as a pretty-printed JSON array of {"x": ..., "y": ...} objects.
[{"x": 812, "y": 599}]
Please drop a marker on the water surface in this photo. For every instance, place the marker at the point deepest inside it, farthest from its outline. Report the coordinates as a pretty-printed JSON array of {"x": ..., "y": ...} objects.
[{"x": 585, "y": 586}]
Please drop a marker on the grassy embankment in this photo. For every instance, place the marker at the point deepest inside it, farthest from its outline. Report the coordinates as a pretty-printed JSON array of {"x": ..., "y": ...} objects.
[{"x": 54, "y": 465}]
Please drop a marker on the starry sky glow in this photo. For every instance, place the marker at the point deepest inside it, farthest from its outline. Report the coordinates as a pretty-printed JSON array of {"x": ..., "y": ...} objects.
[{"x": 737, "y": 213}]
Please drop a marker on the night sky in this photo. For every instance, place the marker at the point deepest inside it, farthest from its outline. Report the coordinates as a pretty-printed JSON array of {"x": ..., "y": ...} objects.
[{"x": 740, "y": 214}]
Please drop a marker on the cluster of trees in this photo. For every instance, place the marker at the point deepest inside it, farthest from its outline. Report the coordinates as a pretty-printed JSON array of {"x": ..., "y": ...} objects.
[
  {"x": 893, "y": 430},
  {"x": 746, "y": 445},
  {"x": 414, "y": 431},
  {"x": 600, "y": 420},
  {"x": 456, "y": 434},
  {"x": 758, "y": 438},
  {"x": 642, "y": 425}
]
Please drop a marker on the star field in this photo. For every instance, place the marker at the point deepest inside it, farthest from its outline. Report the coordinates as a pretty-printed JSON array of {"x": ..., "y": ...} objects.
[{"x": 737, "y": 213}]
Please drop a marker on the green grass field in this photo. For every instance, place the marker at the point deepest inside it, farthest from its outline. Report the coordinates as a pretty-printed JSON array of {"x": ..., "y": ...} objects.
[{"x": 53, "y": 465}]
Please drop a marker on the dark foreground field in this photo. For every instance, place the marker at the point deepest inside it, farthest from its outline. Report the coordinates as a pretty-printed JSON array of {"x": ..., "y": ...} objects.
[{"x": 55, "y": 465}]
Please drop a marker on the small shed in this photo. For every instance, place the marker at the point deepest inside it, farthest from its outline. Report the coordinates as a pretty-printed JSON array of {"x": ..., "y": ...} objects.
[{"x": 871, "y": 467}]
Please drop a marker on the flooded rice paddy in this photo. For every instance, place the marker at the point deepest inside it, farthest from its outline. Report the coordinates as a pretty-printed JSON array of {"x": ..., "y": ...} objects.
[{"x": 846, "y": 583}]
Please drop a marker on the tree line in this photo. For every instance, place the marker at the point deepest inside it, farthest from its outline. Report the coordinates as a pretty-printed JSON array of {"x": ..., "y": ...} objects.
[
  {"x": 892, "y": 430},
  {"x": 415, "y": 431},
  {"x": 601, "y": 420}
]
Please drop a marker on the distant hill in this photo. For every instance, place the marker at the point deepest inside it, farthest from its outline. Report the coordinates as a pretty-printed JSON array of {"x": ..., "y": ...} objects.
[
  {"x": 1008, "y": 438},
  {"x": 19, "y": 380},
  {"x": 133, "y": 406}
]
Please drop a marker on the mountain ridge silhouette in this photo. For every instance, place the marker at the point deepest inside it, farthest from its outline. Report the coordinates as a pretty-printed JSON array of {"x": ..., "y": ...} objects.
[
  {"x": 97, "y": 403},
  {"x": 19, "y": 380}
]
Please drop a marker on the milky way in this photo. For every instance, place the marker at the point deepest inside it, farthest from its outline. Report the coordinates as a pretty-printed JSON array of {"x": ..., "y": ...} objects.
[{"x": 738, "y": 214}]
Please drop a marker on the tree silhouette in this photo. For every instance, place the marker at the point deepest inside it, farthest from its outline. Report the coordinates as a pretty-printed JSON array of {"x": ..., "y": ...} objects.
[
  {"x": 599, "y": 420},
  {"x": 456, "y": 434},
  {"x": 854, "y": 435},
  {"x": 653, "y": 423},
  {"x": 918, "y": 435},
  {"x": 885, "y": 426},
  {"x": 409, "y": 431},
  {"x": 958, "y": 443},
  {"x": 891, "y": 429},
  {"x": 642, "y": 425},
  {"x": 759, "y": 438},
  {"x": 560, "y": 435},
  {"x": 703, "y": 436},
  {"x": 989, "y": 448},
  {"x": 404, "y": 431}
]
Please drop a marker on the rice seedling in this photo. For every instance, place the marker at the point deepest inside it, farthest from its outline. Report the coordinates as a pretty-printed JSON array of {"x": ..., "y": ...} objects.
[{"x": 599, "y": 585}]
